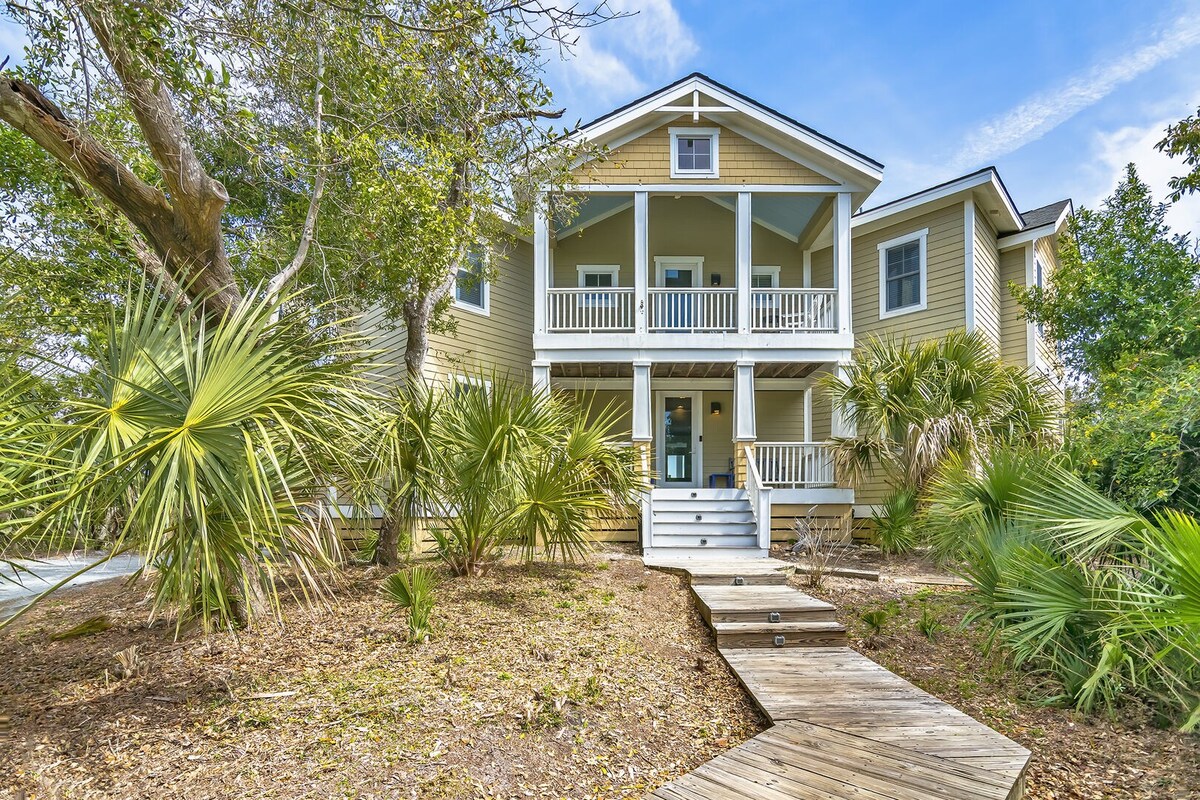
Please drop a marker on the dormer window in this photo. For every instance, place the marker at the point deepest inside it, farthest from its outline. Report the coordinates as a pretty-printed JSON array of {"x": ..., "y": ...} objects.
[{"x": 694, "y": 152}]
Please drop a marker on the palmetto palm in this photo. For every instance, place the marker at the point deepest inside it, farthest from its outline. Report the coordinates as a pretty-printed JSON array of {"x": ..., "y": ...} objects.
[
  {"x": 495, "y": 464},
  {"x": 214, "y": 441},
  {"x": 914, "y": 404},
  {"x": 1104, "y": 599}
]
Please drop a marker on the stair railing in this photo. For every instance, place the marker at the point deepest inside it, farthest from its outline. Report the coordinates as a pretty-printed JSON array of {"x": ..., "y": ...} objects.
[{"x": 760, "y": 503}]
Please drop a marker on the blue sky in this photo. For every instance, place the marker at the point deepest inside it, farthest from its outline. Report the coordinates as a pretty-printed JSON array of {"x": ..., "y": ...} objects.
[{"x": 1058, "y": 95}]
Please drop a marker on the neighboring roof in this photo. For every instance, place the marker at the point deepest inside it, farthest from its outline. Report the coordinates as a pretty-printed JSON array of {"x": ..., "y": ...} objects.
[
  {"x": 1045, "y": 215},
  {"x": 987, "y": 179},
  {"x": 743, "y": 98}
]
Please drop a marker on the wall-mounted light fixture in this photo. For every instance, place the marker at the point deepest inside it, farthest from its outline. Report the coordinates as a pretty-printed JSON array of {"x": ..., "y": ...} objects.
[
  {"x": 714, "y": 279},
  {"x": 715, "y": 409}
]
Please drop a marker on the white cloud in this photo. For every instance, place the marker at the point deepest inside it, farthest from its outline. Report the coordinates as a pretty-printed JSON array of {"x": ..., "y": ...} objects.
[
  {"x": 618, "y": 59},
  {"x": 1043, "y": 112},
  {"x": 1136, "y": 144},
  {"x": 12, "y": 41}
]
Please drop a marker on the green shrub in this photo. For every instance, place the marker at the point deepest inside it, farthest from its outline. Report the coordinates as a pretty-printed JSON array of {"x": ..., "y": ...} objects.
[
  {"x": 1103, "y": 599},
  {"x": 895, "y": 523},
  {"x": 929, "y": 625},
  {"x": 412, "y": 590}
]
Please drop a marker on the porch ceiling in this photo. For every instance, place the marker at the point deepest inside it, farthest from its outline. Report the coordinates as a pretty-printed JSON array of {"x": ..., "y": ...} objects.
[{"x": 615, "y": 369}]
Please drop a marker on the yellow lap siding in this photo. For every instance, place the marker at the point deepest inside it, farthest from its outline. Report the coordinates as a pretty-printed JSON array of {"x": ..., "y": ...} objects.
[
  {"x": 987, "y": 279},
  {"x": 945, "y": 283},
  {"x": 501, "y": 341},
  {"x": 1013, "y": 327}
]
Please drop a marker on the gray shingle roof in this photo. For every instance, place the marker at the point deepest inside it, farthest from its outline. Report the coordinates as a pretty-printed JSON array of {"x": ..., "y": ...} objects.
[{"x": 1045, "y": 215}]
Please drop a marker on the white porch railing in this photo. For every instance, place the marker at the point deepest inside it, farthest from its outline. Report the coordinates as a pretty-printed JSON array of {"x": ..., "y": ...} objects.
[
  {"x": 590, "y": 309},
  {"x": 791, "y": 310},
  {"x": 795, "y": 464},
  {"x": 760, "y": 504},
  {"x": 692, "y": 309}
]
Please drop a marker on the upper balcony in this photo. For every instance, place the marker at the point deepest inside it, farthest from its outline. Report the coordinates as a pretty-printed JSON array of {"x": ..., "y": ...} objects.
[{"x": 697, "y": 272}]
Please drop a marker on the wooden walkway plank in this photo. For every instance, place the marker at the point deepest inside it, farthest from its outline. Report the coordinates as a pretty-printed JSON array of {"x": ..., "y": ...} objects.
[{"x": 845, "y": 728}]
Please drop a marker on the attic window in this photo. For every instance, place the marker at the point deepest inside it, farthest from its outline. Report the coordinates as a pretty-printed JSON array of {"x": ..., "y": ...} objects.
[{"x": 694, "y": 152}]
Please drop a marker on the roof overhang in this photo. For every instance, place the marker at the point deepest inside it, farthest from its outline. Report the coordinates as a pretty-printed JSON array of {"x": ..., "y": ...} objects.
[
  {"x": 1040, "y": 232},
  {"x": 699, "y": 97},
  {"x": 984, "y": 186}
]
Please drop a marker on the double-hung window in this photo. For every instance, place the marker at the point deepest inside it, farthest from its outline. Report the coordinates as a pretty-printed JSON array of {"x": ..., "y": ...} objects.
[
  {"x": 902, "y": 274},
  {"x": 694, "y": 152},
  {"x": 765, "y": 278},
  {"x": 471, "y": 286}
]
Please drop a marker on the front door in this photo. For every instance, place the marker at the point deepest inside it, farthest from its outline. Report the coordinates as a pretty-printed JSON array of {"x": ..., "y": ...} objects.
[{"x": 679, "y": 439}]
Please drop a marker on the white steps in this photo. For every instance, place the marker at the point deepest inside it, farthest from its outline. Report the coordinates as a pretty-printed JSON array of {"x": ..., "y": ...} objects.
[{"x": 702, "y": 521}]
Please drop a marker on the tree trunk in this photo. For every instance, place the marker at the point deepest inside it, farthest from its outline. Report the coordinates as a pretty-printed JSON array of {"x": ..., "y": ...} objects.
[{"x": 387, "y": 549}]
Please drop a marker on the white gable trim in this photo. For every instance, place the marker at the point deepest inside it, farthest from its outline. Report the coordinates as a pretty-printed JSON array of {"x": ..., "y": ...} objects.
[{"x": 657, "y": 104}]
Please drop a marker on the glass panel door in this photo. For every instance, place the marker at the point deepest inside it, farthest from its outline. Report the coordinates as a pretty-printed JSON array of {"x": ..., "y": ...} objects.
[
  {"x": 678, "y": 437},
  {"x": 679, "y": 307}
]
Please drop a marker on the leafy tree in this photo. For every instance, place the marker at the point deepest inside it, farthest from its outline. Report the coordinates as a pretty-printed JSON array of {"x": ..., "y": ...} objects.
[
  {"x": 1124, "y": 285},
  {"x": 1137, "y": 437},
  {"x": 1183, "y": 139},
  {"x": 211, "y": 131}
]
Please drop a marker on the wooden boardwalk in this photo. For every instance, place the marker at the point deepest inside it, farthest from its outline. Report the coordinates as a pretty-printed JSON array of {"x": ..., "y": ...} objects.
[{"x": 843, "y": 726}]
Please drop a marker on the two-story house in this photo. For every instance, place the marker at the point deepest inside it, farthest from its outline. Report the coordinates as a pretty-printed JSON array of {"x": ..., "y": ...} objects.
[{"x": 720, "y": 261}]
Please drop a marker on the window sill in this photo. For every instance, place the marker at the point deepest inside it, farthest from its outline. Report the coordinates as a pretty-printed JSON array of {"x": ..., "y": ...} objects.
[
  {"x": 900, "y": 312},
  {"x": 481, "y": 311}
]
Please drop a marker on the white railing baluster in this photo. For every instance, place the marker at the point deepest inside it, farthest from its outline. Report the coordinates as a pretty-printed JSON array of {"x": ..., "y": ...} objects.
[
  {"x": 796, "y": 465},
  {"x": 588, "y": 309},
  {"x": 792, "y": 310}
]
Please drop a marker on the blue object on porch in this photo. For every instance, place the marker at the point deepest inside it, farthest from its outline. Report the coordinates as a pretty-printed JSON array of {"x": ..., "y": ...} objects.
[{"x": 712, "y": 480}]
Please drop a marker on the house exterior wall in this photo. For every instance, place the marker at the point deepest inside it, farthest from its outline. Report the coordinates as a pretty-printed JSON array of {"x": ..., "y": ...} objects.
[
  {"x": 1046, "y": 249},
  {"x": 647, "y": 160},
  {"x": 1014, "y": 347},
  {"x": 945, "y": 288},
  {"x": 987, "y": 286},
  {"x": 500, "y": 342}
]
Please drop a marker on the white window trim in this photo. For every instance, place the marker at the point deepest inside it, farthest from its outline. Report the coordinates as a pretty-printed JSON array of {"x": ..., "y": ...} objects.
[
  {"x": 599, "y": 269},
  {"x": 485, "y": 287},
  {"x": 695, "y": 133},
  {"x": 608, "y": 300},
  {"x": 471, "y": 380},
  {"x": 773, "y": 271},
  {"x": 922, "y": 236},
  {"x": 662, "y": 263}
]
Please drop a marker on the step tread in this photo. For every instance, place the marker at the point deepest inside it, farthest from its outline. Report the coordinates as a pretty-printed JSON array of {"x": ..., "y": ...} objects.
[{"x": 778, "y": 627}]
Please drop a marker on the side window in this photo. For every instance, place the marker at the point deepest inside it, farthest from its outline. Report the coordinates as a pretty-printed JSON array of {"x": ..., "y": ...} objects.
[
  {"x": 902, "y": 275},
  {"x": 470, "y": 285}
]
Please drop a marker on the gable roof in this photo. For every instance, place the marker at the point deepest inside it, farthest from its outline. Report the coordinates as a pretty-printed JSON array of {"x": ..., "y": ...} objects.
[
  {"x": 744, "y": 98},
  {"x": 743, "y": 115},
  {"x": 992, "y": 192}
]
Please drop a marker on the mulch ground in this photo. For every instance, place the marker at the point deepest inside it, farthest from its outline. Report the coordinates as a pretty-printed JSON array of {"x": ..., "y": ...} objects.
[
  {"x": 1074, "y": 756},
  {"x": 597, "y": 680}
]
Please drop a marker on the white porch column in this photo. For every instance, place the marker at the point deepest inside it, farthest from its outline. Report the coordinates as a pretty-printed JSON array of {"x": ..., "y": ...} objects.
[
  {"x": 541, "y": 376},
  {"x": 841, "y": 259},
  {"x": 642, "y": 428},
  {"x": 641, "y": 258},
  {"x": 743, "y": 259},
  {"x": 541, "y": 269},
  {"x": 744, "y": 427},
  {"x": 842, "y": 423}
]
